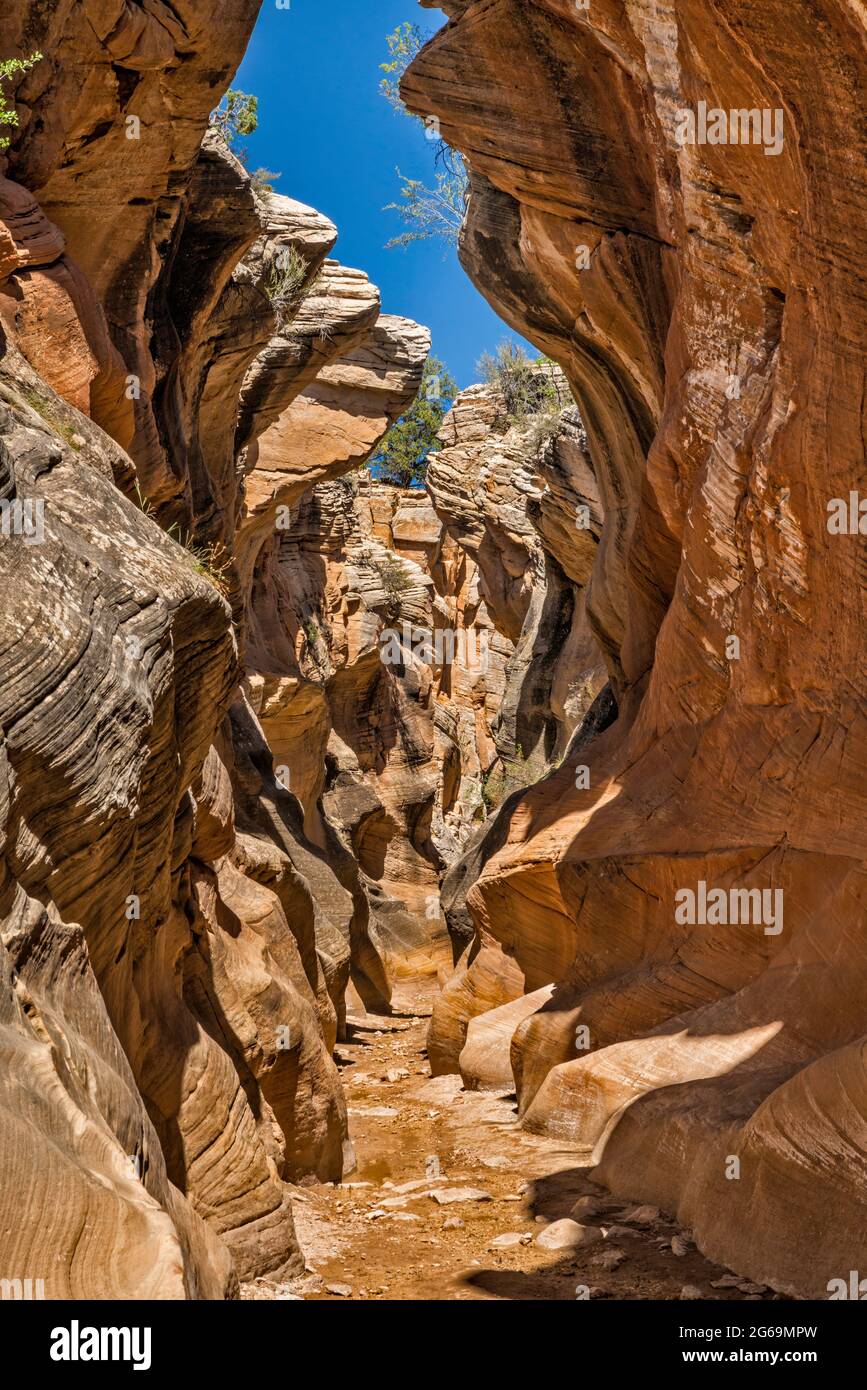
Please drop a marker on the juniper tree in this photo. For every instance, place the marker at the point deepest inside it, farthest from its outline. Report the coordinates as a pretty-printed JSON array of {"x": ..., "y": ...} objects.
[
  {"x": 436, "y": 211},
  {"x": 403, "y": 455}
]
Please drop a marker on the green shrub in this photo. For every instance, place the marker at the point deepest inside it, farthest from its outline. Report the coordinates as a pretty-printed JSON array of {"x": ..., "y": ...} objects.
[
  {"x": 395, "y": 579},
  {"x": 543, "y": 426},
  {"x": 263, "y": 181},
  {"x": 210, "y": 560},
  {"x": 525, "y": 386},
  {"x": 402, "y": 457},
  {"x": 11, "y": 67},
  {"x": 426, "y": 211},
  {"x": 236, "y": 116},
  {"x": 286, "y": 281}
]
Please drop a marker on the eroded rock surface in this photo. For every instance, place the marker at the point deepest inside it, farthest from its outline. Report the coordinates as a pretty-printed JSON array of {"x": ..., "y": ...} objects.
[
  {"x": 175, "y": 947},
  {"x": 520, "y": 499},
  {"x": 412, "y": 690},
  {"x": 707, "y": 308},
  {"x": 236, "y": 768}
]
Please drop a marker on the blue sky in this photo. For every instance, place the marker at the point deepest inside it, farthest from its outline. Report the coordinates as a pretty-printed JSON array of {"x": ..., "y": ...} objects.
[{"x": 324, "y": 125}]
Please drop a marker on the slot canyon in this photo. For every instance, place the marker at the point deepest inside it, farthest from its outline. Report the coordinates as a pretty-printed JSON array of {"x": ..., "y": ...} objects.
[{"x": 451, "y": 891}]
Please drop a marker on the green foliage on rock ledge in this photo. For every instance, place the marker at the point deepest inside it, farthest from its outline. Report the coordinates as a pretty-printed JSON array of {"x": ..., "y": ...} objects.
[
  {"x": 404, "y": 43},
  {"x": 236, "y": 117},
  {"x": 427, "y": 212},
  {"x": 528, "y": 386},
  {"x": 403, "y": 455},
  {"x": 11, "y": 67}
]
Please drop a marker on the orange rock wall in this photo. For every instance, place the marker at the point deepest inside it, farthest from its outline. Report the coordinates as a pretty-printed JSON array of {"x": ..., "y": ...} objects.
[{"x": 706, "y": 301}]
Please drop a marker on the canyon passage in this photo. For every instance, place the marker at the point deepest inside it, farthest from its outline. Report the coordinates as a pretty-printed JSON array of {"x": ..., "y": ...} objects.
[{"x": 432, "y": 811}]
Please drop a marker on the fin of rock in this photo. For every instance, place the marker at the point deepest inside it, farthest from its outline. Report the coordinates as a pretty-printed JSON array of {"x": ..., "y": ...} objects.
[
  {"x": 174, "y": 944},
  {"x": 713, "y": 1069}
]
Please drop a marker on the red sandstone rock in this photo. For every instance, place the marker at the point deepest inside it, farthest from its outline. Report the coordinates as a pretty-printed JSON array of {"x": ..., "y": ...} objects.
[
  {"x": 204, "y": 994},
  {"x": 722, "y": 413}
]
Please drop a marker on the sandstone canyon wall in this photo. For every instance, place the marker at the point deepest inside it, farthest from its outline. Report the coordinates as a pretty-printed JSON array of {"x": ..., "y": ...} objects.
[
  {"x": 176, "y": 941},
  {"x": 706, "y": 302},
  {"x": 424, "y": 629},
  {"x": 273, "y": 733},
  {"x": 221, "y": 800}
]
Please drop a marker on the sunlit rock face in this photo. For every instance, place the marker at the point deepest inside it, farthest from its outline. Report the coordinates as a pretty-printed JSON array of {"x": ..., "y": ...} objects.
[
  {"x": 116, "y": 656},
  {"x": 311, "y": 653},
  {"x": 520, "y": 500},
  {"x": 412, "y": 688},
  {"x": 120, "y": 663},
  {"x": 111, "y": 123},
  {"x": 357, "y": 711},
  {"x": 380, "y": 701},
  {"x": 706, "y": 302},
  {"x": 175, "y": 947}
]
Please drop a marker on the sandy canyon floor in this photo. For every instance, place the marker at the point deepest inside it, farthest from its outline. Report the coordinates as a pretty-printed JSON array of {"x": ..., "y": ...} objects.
[{"x": 445, "y": 1174}]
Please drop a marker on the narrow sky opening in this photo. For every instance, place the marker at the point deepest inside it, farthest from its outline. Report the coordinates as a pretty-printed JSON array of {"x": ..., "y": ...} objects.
[{"x": 324, "y": 126}]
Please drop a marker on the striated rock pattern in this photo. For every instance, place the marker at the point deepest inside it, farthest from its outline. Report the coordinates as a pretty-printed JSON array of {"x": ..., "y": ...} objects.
[
  {"x": 706, "y": 301},
  {"x": 98, "y": 746},
  {"x": 356, "y": 727},
  {"x": 174, "y": 947},
  {"x": 344, "y": 372},
  {"x": 415, "y": 667},
  {"x": 526, "y": 511},
  {"x": 254, "y": 713}
]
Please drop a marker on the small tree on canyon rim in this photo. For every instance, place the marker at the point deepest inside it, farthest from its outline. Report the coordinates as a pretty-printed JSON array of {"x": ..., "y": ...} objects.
[
  {"x": 235, "y": 118},
  {"x": 427, "y": 212},
  {"x": 533, "y": 391},
  {"x": 11, "y": 67},
  {"x": 528, "y": 385},
  {"x": 402, "y": 457}
]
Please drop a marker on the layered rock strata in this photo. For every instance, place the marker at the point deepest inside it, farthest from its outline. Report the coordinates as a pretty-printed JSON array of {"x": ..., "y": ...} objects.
[
  {"x": 705, "y": 304},
  {"x": 422, "y": 630},
  {"x": 519, "y": 497},
  {"x": 174, "y": 946}
]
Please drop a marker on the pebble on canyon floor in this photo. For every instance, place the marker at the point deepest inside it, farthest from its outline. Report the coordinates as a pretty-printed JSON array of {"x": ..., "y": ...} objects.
[
  {"x": 461, "y": 1194},
  {"x": 585, "y": 1206},
  {"x": 568, "y": 1235},
  {"x": 610, "y": 1259},
  {"x": 642, "y": 1216}
]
